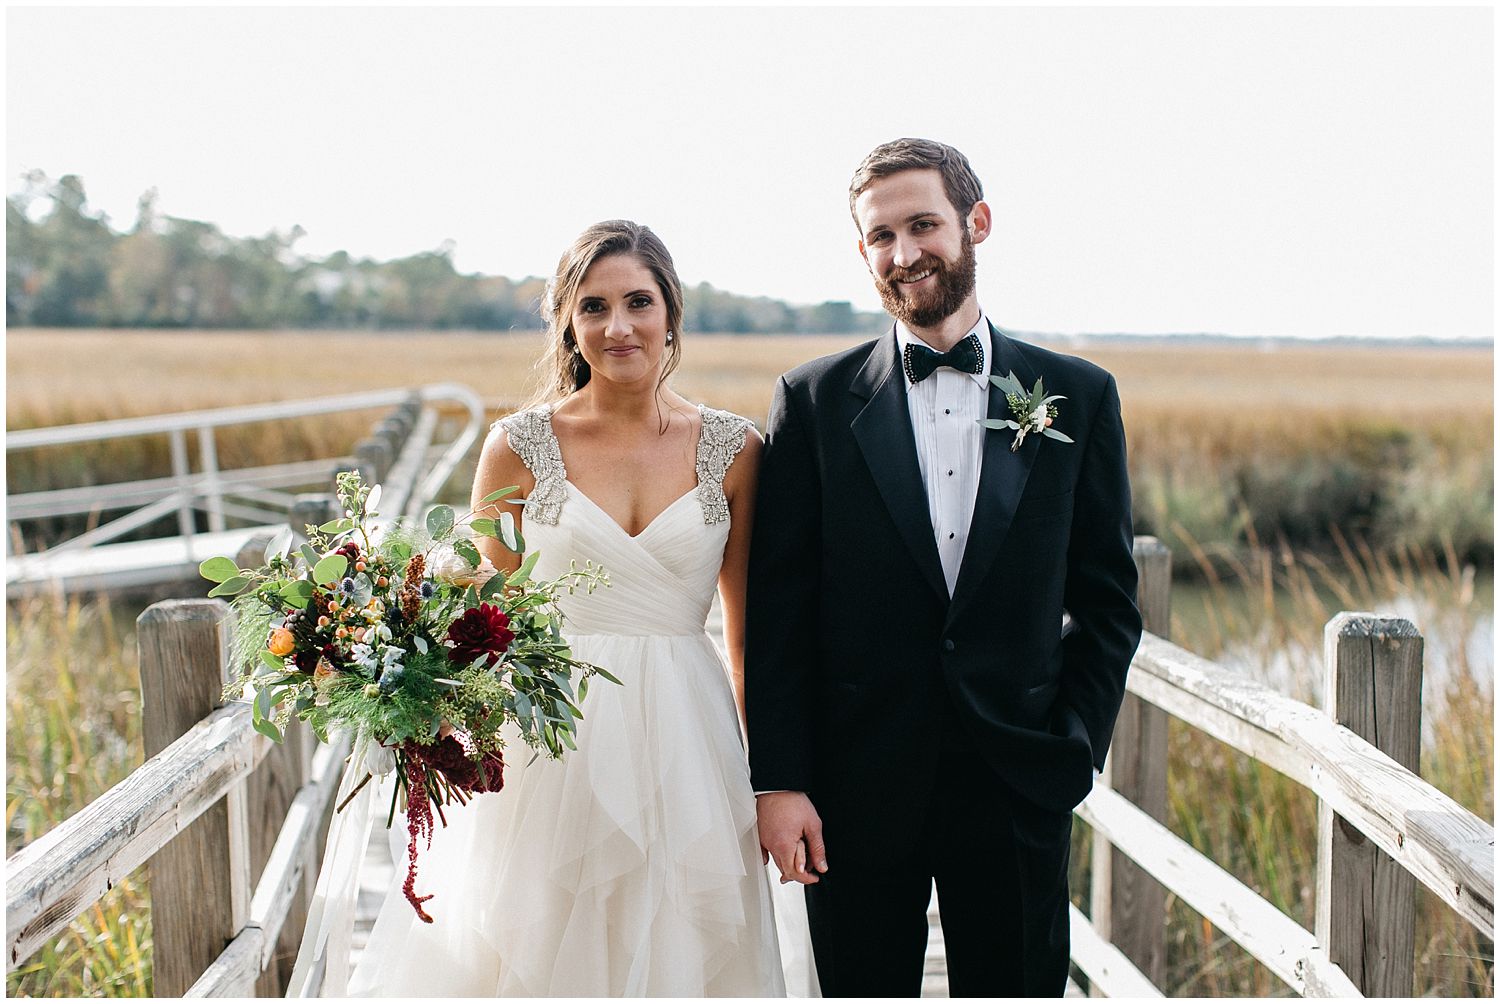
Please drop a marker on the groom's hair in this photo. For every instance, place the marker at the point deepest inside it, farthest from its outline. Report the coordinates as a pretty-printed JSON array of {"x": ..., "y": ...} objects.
[{"x": 959, "y": 180}]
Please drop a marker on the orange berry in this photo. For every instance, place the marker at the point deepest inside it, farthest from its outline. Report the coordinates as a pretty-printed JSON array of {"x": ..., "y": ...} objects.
[{"x": 323, "y": 622}]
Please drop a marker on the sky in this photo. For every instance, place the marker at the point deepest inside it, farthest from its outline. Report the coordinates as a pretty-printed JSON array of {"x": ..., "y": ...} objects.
[{"x": 1266, "y": 172}]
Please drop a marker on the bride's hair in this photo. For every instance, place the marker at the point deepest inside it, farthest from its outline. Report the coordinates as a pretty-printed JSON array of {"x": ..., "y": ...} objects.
[{"x": 563, "y": 369}]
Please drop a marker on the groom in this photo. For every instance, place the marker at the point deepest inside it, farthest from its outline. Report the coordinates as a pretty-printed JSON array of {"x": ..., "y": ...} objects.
[{"x": 940, "y": 615}]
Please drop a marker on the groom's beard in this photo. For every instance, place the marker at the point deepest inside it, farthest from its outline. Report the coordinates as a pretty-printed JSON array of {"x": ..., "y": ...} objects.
[{"x": 953, "y": 284}]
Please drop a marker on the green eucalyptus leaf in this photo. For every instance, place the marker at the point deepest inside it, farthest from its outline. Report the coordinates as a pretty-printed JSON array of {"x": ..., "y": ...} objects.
[
  {"x": 466, "y": 550},
  {"x": 218, "y": 569},
  {"x": 371, "y": 501},
  {"x": 330, "y": 568},
  {"x": 508, "y": 535},
  {"x": 998, "y": 423},
  {"x": 230, "y": 587},
  {"x": 440, "y": 520},
  {"x": 1051, "y": 433},
  {"x": 521, "y": 574},
  {"x": 279, "y": 544},
  {"x": 309, "y": 555},
  {"x": 268, "y": 729},
  {"x": 272, "y": 659},
  {"x": 484, "y": 526},
  {"x": 492, "y": 496},
  {"x": 1007, "y": 384},
  {"x": 608, "y": 675},
  {"x": 493, "y": 585}
]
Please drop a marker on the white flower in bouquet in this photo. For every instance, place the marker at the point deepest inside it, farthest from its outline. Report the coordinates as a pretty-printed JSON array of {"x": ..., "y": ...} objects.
[{"x": 447, "y": 565}]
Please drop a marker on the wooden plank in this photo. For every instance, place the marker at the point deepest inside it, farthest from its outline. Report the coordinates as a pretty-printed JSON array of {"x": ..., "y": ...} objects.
[
  {"x": 1366, "y": 902},
  {"x": 271, "y": 789},
  {"x": 58, "y": 875},
  {"x": 1448, "y": 848},
  {"x": 1131, "y": 906},
  {"x": 199, "y": 881},
  {"x": 1110, "y": 973},
  {"x": 282, "y": 880},
  {"x": 233, "y": 973},
  {"x": 1287, "y": 949}
]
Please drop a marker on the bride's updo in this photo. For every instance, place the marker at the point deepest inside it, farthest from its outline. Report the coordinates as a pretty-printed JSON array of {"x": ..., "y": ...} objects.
[{"x": 563, "y": 366}]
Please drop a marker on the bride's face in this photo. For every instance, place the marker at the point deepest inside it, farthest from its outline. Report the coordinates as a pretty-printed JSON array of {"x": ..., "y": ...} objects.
[{"x": 620, "y": 321}]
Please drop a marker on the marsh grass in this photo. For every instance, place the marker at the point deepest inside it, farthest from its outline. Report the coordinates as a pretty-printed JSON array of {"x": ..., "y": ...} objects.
[
  {"x": 1265, "y": 617},
  {"x": 72, "y": 695},
  {"x": 1240, "y": 458},
  {"x": 1392, "y": 444}
]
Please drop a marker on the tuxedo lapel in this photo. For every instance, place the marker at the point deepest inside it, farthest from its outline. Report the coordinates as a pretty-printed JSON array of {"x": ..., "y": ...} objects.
[
  {"x": 883, "y": 431},
  {"x": 1002, "y": 476}
]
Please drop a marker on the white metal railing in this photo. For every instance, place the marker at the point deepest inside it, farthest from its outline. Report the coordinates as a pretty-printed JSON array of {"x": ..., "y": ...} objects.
[{"x": 255, "y": 496}]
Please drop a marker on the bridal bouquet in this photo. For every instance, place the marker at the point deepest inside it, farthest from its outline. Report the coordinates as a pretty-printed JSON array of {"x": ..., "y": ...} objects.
[{"x": 413, "y": 643}]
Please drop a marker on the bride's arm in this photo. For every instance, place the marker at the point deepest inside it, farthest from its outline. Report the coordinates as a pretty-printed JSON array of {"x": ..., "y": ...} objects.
[
  {"x": 739, "y": 489},
  {"x": 499, "y": 467}
]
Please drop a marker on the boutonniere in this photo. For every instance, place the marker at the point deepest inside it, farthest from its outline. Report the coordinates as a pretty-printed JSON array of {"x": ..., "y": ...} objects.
[{"x": 1030, "y": 412}]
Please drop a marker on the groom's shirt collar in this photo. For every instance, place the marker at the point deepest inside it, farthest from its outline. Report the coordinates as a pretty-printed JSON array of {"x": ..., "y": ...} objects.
[{"x": 904, "y": 337}]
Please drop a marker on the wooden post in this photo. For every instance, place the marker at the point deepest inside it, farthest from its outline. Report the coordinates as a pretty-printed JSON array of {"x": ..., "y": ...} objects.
[
  {"x": 200, "y": 881},
  {"x": 270, "y": 790},
  {"x": 1366, "y": 903},
  {"x": 1128, "y": 907},
  {"x": 373, "y": 459},
  {"x": 315, "y": 508}
]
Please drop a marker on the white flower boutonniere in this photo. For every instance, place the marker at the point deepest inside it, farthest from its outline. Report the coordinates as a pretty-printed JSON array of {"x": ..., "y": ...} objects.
[{"x": 1030, "y": 412}]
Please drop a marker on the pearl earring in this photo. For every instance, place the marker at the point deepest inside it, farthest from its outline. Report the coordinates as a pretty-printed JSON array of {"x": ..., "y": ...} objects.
[{"x": 670, "y": 336}]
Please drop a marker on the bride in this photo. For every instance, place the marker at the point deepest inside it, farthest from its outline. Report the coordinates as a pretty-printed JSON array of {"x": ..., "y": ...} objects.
[{"x": 631, "y": 867}]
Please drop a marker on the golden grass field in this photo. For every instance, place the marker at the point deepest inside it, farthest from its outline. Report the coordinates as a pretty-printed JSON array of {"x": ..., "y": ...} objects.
[
  {"x": 1221, "y": 437},
  {"x": 61, "y": 376}
]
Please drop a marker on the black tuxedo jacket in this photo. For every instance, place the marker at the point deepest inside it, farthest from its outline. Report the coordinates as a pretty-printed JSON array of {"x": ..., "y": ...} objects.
[{"x": 857, "y": 661}]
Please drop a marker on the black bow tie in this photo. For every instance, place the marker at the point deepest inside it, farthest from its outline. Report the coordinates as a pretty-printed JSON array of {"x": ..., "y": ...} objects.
[{"x": 966, "y": 357}]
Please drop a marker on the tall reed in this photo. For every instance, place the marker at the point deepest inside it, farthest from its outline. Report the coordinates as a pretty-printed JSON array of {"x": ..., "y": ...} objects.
[{"x": 72, "y": 695}]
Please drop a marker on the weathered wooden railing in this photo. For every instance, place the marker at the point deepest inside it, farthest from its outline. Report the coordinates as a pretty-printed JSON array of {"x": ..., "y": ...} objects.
[
  {"x": 1381, "y": 828},
  {"x": 232, "y": 826}
]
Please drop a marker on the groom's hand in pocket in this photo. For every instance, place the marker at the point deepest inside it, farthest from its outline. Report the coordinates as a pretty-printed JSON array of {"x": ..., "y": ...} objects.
[{"x": 792, "y": 832}]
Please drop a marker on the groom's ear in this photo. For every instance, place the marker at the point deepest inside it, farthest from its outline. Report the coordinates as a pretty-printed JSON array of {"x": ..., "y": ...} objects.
[
  {"x": 980, "y": 221},
  {"x": 861, "y": 245}
]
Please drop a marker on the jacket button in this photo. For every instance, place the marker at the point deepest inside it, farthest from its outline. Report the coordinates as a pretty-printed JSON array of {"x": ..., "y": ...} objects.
[{"x": 948, "y": 645}]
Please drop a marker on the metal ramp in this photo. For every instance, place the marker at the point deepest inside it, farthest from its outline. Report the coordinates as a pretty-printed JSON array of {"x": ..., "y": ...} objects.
[{"x": 403, "y": 453}]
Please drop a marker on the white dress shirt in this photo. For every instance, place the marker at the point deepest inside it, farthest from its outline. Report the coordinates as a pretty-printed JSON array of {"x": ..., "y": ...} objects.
[{"x": 945, "y": 411}]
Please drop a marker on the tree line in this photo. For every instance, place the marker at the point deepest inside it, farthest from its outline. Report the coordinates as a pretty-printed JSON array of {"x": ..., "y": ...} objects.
[{"x": 66, "y": 266}]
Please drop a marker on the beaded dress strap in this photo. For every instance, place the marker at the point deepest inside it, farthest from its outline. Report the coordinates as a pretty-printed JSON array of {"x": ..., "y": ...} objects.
[
  {"x": 529, "y": 434},
  {"x": 719, "y": 442}
]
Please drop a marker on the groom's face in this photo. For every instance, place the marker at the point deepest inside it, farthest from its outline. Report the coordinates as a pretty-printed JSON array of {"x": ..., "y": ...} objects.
[{"x": 919, "y": 250}]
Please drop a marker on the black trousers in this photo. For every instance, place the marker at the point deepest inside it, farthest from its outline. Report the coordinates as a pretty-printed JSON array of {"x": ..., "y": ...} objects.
[{"x": 1001, "y": 868}]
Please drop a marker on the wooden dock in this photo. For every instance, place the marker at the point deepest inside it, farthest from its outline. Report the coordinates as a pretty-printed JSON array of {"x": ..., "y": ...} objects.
[{"x": 378, "y": 878}]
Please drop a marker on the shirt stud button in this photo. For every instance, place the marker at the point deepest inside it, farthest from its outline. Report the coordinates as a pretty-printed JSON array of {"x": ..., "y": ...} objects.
[
  {"x": 950, "y": 536},
  {"x": 948, "y": 645}
]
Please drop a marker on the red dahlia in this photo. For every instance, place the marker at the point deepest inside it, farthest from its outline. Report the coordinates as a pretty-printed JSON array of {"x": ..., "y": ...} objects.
[{"x": 483, "y": 630}]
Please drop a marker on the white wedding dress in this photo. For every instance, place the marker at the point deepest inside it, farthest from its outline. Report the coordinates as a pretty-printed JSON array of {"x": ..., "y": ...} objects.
[{"x": 631, "y": 867}]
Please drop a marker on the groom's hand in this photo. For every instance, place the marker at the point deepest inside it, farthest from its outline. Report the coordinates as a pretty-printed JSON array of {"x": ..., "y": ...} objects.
[{"x": 785, "y": 820}]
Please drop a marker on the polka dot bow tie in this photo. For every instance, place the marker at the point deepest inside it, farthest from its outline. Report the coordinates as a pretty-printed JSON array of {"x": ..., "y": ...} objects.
[{"x": 966, "y": 357}]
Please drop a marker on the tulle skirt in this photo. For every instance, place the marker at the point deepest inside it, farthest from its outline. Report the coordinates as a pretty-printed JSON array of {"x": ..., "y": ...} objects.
[{"x": 631, "y": 867}]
